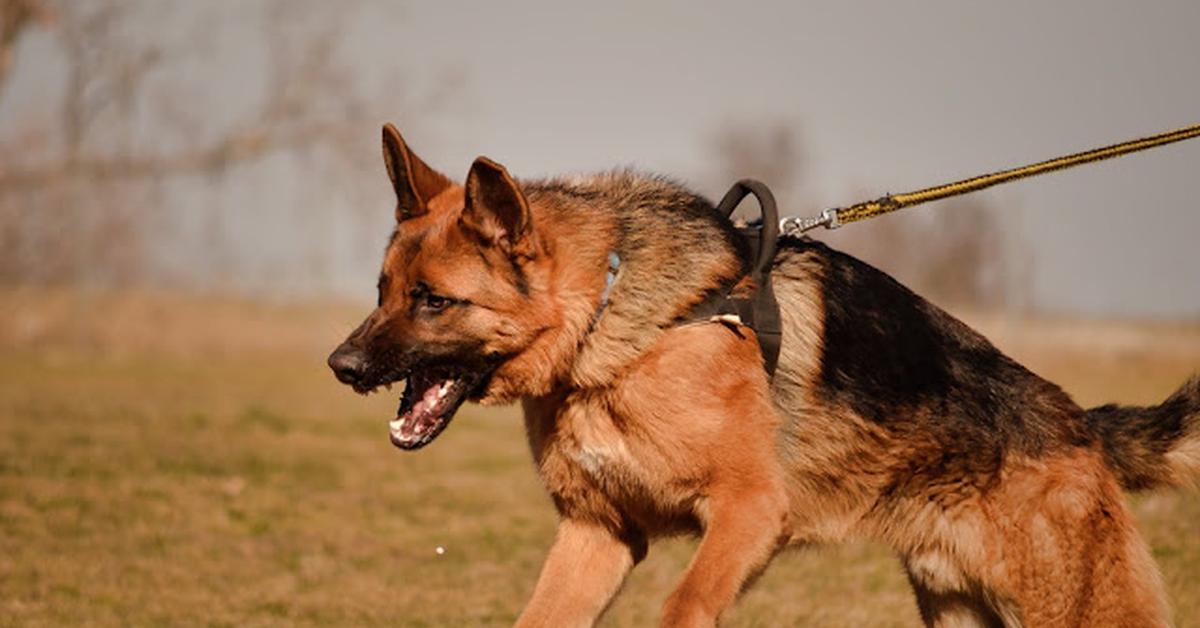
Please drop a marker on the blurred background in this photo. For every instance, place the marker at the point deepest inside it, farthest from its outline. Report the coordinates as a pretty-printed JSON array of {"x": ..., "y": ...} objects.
[{"x": 193, "y": 208}]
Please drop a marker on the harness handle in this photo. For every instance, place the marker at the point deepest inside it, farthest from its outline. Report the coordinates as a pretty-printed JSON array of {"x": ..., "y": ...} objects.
[
  {"x": 768, "y": 234},
  {"x": 760, "y": 312}
]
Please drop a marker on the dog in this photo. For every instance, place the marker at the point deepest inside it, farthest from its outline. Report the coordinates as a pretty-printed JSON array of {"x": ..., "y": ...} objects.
[{"x": 885, "y": 418}]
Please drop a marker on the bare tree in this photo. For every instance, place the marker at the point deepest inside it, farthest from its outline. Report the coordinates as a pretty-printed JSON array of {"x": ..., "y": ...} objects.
[
  {"x": 309, "y": 100},
  {"x": 84, "y": 213},
  {"x": 769, "y": 151},
  {"x": 957, "y": 253},
  {"x": 16, "y": 16}
]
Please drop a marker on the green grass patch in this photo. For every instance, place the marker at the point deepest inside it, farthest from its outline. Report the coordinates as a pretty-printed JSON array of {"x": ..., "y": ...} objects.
[{"x": 251, "y": 489}]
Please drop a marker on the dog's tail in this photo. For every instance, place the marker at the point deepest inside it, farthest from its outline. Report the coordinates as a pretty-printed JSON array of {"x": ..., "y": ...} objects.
[{"x": 1151, "y": 446}]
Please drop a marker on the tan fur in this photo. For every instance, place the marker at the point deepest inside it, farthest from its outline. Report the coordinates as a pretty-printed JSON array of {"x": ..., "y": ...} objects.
[
  {"x": 1184, "y": 462},
  {"x": 641, "y": 428},
  {"x": 636, "y": 458},
  {"x": 654, "y": 284}
]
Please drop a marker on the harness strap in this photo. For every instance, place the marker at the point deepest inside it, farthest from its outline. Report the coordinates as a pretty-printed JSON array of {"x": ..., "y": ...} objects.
[{"x": 760, "y": 311}]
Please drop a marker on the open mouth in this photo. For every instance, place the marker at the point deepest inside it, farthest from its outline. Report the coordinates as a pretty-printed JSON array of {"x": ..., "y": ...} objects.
[{"x": 429, "y": 401}]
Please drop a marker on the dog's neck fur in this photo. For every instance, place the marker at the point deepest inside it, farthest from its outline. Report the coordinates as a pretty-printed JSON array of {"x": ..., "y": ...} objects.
[{"x": 659, "y": 280}]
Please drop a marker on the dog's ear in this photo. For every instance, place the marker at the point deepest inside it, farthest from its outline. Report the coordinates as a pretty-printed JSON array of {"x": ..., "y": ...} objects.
[
  {"x": 414, "y": 181},
  {"x": 496, "y": 210}
]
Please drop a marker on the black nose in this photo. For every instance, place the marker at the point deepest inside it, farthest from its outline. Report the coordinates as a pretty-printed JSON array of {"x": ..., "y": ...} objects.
[{"x": 348, "y": 364}]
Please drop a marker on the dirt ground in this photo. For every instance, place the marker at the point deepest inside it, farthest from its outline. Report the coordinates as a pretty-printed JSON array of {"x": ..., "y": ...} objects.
[{"x": 183, "y": 460}]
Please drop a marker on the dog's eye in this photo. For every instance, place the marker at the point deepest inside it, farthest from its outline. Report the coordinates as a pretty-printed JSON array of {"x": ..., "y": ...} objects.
[{"x": 429, "y": 301}]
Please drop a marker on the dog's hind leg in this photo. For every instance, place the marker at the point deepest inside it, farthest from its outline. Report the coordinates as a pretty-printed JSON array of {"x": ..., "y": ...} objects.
[
  {"x": 954, "y": 609},
  {"x": 584, "y": 570},
  {"x": 743, "y": 532}
]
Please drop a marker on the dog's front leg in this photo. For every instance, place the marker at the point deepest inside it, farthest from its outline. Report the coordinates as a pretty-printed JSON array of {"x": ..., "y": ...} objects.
[
  {"x": 744, "y": 531},
  {"x": 584, "y": 570}
]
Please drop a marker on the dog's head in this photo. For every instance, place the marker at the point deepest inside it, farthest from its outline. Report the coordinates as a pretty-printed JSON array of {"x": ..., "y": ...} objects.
[{"x": 462, "y": 291}]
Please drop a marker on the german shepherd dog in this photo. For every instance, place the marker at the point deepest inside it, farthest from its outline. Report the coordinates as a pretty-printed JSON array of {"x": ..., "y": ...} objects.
[{"x": 886, "y": 417}]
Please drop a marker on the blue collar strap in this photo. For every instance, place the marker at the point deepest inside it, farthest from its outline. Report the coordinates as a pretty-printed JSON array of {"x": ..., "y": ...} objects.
[{"x": 614, "y": 264}]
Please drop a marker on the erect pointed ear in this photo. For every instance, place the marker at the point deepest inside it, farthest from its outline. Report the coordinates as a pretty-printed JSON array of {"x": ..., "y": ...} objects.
[
  {"x": 414, "y": 181},
  {"x": 496, "y": 209}
]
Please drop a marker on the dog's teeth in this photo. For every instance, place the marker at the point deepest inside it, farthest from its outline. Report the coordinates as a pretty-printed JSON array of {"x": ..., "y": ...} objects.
[{"x": 396, "y": 425}]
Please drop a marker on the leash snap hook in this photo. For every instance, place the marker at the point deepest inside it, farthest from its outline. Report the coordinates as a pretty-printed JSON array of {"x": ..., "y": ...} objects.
[
  {"x": 796, "y": 225},
  {"x": 829, "y": 219}
]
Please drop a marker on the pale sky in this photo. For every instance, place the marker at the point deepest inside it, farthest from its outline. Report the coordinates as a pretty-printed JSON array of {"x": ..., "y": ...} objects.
[{"x": 889, "y": 97}]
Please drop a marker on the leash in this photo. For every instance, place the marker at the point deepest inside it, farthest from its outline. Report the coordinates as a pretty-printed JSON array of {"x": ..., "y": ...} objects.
[
  {"x": 760, "y": 311},
  {"x": 836, "y": 217}
]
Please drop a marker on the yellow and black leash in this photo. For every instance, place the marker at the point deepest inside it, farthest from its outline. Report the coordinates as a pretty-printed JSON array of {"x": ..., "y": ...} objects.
[{"x": 836, "y": 217}]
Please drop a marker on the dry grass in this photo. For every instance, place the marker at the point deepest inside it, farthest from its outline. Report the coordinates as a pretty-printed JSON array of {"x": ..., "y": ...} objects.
[{"x": 175, "y": 460}]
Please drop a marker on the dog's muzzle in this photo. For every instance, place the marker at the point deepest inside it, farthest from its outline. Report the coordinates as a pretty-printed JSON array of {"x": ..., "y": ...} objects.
[{"x": 349, "y": 364}]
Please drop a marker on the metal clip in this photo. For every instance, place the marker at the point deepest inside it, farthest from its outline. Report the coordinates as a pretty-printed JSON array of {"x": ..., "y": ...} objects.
[
  {"x": 830, "y": 217},
  {"x": 796, "y": 225}
]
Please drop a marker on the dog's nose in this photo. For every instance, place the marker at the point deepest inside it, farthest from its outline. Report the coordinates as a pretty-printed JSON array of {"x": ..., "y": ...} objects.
[{"x": 348, "y": 364}]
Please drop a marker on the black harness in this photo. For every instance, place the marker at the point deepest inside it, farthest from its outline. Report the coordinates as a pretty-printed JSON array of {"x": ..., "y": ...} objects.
[{"x": 759, "y": 311}]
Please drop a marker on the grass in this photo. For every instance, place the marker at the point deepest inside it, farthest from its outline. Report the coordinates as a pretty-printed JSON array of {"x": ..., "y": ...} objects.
[{"x": 182, "y": 461}]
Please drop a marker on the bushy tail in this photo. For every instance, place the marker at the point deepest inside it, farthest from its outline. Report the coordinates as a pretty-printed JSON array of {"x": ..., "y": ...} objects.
[{"x": 1147, "y": 447}]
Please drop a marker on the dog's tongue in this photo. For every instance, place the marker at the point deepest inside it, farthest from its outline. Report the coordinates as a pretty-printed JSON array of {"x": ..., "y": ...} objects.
[{"x": 422, "y": 418}]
